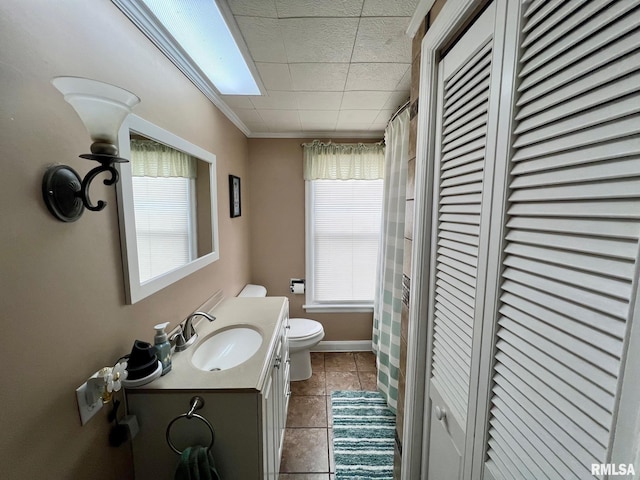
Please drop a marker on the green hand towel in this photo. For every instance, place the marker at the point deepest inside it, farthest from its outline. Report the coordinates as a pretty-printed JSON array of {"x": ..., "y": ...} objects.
[{"x": 196, "y": 463}]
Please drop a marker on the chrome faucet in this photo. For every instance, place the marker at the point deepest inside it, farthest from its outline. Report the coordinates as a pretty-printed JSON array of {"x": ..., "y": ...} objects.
[{"x": 188, "y": 335}]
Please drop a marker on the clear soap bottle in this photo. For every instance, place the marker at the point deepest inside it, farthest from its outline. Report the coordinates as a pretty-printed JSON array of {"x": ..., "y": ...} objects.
[{"x": 163, "y": 347}]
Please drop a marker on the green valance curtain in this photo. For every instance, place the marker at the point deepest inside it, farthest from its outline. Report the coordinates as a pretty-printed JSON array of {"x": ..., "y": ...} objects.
[
  {"x": 152, "y": 159},
  {"x": 343, "y": 161}
]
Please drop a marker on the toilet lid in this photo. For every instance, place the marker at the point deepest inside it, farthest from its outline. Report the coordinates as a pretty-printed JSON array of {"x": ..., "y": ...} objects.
[{"x": 303, "y": 327}]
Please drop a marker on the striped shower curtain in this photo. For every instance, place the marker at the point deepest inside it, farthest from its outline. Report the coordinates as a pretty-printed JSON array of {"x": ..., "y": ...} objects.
[{"x": 388, "y": 302}]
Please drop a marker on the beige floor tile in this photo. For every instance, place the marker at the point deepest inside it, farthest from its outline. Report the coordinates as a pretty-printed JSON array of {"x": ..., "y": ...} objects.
[
  {"x": 305, "y": 450},
  {"x": 313, "y": 386},
  {"x": 342, "y": 381},
  {"x": 317, "y": 361},
  {"x": 307, "y": 411},
  {"x": 365, "y": 361},
  {"x": 332, "y": 460},
  {"x": 329, "y": 414},
  {"x": 368, "y": 381},
  {"x": 339, "y": 362}
]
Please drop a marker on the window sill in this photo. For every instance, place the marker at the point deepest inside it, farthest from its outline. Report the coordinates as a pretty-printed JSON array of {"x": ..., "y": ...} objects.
[{"x": 339, "y": 308}]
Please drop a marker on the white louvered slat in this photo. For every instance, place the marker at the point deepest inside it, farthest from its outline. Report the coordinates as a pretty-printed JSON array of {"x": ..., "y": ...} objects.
[
  {"x": 553, "y": 20},
  {"x": 582, "y": 41},
  {"x": 461, "y": 173},
  {"x": 555, "y": 422},
  {"x": 579, "y": 78},
  {"x": 594, "y": 397},
  {"x": 613, "y": 150},
  {"x": 613, "y": 287},
  {"x": 607, "y": 209},
  {"x": 557, "y": 28},
  {"x": 579, "y": 340},
  {"x": 620, "y": 169},
  {"x": 626, "y": 87},
  {"x": 580, "y": 365},
  {"x": 463, "y": 169},
  {"x": 571, "y": 242}
]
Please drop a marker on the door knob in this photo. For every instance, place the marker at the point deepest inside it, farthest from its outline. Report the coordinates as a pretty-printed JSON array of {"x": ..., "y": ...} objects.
[{"x": 441, "y": 413}]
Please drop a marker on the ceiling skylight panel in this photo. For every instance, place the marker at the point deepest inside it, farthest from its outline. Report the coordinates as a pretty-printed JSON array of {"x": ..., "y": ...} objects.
[{"x": 199, "y": 29}]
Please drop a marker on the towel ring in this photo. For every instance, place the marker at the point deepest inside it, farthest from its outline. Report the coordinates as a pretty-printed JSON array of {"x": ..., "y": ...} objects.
[{"x": 196, "y": 404}]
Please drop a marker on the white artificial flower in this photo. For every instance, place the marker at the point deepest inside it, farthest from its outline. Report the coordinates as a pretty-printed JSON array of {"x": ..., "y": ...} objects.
[{"x": 115, "y": 377}]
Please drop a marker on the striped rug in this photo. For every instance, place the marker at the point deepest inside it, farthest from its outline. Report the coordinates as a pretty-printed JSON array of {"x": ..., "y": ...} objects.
[{"x": 363, "y": 435}]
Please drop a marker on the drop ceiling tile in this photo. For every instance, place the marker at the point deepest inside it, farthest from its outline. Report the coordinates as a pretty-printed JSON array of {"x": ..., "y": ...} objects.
[
  {"x": 319, "y": 39},
  {"x": 281, "y": 120},
  {"x": 263, "y": 8},
  {"x": 275, "y": 101},
  {"x": 319, "y": 100},
  {"x": 382, "y": 40},
  {"x": 248, "y": 115},
  {"x": 405, "y": 82},
  {"x": 384, "y": 116},
  {"x": 263, "y": 38},
  {"x": 353, "y": 127},
  {"x": 257, "y": 127},
  {"x": 378, "y": 127},
  {"x": 314, "y": 8},
  {"x": 237, "y": 101},
  {"x": 396, "y": 99},
  {"x": 318, "y": 119},
  {"x": 325, "y": 77},
  {"x": 389, "y": 8},
  {"x": 375, "y": 76},
  {"x": 275, "y": 76},
  {"x": 364, "y": 100},
  {"x": 357, "y": 116}
]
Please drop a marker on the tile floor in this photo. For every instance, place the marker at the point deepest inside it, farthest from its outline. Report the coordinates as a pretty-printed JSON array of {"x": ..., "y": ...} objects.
[{"x": 308, "y": 441}]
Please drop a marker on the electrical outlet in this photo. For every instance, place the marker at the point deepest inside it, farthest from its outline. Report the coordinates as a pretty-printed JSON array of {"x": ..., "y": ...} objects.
[{"x": 86, "y": 411}]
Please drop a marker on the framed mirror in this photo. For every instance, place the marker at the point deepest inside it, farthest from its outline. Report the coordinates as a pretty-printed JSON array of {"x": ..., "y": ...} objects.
[{"x": 167, "y": 207}]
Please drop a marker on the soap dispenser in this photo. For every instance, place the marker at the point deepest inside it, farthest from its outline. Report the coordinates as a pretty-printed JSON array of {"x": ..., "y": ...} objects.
[{"x": 163, "y": 347}]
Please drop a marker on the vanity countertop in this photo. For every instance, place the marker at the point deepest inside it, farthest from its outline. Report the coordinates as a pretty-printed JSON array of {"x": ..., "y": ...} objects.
[{"x": 262, "y": 314}]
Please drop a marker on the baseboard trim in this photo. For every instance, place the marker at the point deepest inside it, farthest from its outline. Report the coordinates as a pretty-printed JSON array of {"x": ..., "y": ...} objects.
[{"x": 343, "y": 346}]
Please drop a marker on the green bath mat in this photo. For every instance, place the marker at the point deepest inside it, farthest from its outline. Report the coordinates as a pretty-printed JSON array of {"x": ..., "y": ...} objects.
[{"x": 363, "y": 435}]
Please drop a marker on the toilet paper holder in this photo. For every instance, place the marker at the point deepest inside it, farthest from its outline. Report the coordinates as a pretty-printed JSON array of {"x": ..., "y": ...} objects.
[{"x": 296, "y": 285}]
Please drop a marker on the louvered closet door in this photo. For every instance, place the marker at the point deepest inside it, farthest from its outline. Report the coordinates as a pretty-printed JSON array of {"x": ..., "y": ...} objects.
[
  {"x": 573, "y": 224},
  {"x": 463, "y": 110}
]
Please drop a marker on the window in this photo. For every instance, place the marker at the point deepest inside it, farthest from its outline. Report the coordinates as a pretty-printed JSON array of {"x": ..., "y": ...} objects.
[
  {"x": 343, "y": 235},
  {"x": 344, "y": 216},
  {"x": 165, "y": 223},
  {"x": 164, "y": 198}
]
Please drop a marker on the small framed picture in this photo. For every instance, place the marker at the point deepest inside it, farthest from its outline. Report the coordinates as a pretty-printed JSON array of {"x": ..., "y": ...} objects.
[{"x": 234, "y": 196}]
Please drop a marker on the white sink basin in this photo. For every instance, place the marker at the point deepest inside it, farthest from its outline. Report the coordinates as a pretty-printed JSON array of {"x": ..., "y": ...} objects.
[{"x": 226, "y": 349}]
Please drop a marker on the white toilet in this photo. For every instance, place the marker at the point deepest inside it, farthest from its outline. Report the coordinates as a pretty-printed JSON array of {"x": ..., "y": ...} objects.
[{"x": 304, "y": 334}]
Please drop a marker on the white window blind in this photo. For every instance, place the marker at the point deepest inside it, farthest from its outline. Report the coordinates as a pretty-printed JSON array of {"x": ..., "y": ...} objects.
[
  {"x": 343, "y": 235},
  {"x": 165, "y": 222}
]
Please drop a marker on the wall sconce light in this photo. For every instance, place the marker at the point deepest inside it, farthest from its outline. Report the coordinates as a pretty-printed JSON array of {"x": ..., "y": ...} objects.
[{"x": 102, "y": 108}]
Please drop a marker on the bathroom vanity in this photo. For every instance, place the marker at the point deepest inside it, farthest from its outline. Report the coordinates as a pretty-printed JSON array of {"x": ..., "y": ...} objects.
[{"x": 246, "y": 405}]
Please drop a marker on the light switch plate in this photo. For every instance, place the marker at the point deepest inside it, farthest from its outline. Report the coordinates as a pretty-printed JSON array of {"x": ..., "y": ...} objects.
[{"x": 86, "y": 411}]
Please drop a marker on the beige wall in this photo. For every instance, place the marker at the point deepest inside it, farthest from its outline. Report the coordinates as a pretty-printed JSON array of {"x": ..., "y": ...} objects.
[
  {"x": 277, "y": 231},
  {"x": 61, "y": 287}
]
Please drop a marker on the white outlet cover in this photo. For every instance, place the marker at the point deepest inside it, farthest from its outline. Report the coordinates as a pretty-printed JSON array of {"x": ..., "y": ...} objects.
[{"x": 86, "y": 411}]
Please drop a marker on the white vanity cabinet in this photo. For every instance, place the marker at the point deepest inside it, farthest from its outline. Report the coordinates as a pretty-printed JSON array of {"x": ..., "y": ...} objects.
[
  {"x": 249, "y": 422},
  {"x": 275, "y": 403}
]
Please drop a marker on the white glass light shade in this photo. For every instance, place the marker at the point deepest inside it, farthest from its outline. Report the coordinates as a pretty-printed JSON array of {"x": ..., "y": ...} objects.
[{"x": 101, "y": 107}]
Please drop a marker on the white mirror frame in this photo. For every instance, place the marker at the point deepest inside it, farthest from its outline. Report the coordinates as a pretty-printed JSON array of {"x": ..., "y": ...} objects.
[{"x": 136, "y": 290}]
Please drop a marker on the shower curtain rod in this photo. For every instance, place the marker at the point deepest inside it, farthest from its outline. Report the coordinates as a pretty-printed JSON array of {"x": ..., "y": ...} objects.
[{"x": 399, "y": 111}]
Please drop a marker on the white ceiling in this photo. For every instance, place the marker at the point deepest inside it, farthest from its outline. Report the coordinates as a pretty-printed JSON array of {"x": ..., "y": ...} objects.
[{"x": 327, "y": 67}]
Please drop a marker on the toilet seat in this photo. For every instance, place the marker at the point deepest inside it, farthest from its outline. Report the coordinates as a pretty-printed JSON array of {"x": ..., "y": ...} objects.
[{"x": 303, "y": 329}]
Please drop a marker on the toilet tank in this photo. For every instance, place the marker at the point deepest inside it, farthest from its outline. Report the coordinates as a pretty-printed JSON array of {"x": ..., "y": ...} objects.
[{"x": 253, "y": 291}]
